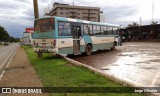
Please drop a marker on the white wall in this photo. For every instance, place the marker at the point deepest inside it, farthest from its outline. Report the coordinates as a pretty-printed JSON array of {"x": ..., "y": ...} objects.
[
  {"x": 27, "y": 38},
  {"x": 102, "y": 17}
]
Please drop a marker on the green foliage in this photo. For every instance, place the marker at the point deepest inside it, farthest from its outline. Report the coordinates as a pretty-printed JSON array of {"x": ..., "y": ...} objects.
[
  {"x": 12, "y": 39},
  {"x": 154, "y": 23},
  {"x": 4, "y": 36},
  {"x": 134, "y": 24}
]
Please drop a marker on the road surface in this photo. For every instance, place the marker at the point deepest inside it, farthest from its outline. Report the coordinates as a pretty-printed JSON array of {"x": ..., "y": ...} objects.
[
  {"x": 5, "y": 54},
  {"x": 135, "y": 62}
]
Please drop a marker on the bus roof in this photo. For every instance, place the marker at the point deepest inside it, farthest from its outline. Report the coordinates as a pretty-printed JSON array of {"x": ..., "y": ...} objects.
[{"x": 78, "y": 20}]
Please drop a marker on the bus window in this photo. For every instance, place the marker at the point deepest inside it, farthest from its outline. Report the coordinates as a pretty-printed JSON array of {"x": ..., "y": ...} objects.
[
  {"x": 102, "y": 30},
  {"x": 105, "y": 30},
  {"x": 44, "y": 25},
  {"x": 87, "y": 29},
  {"x": 64, "y": 29},
  {"x": 110, "y": 31},
  {"x": 115, "y": 30},
  {"x": 96, "y": 30}
]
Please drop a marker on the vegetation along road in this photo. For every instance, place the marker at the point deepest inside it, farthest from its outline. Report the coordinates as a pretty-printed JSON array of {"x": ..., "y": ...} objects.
[{"x": 56, "y": 72}]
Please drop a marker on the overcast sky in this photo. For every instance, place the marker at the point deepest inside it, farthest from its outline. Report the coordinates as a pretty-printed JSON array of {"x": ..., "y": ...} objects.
[{"x": 16, "y": 15}]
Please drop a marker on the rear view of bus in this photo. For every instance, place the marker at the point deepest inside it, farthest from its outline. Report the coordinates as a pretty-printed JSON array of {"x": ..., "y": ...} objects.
[{"x": 44, "y": 36}]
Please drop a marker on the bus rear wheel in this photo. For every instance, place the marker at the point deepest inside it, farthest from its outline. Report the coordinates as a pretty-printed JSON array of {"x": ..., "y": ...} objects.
[
  {"x": 88, "y": 50},
  {"x": 114, "y": 46}
]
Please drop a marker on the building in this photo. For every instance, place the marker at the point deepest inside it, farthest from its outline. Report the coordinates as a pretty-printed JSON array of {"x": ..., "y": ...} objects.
[
  {"x": 78, "y": 12},
  {"x": 27, "y": 38},
  {"x": 102, "y": 18},
  {"x": 150, "y": 31},
  {"x": 143, "y": 32}
]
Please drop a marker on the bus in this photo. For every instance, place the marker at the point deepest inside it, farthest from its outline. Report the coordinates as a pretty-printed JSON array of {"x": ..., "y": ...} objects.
[{"x": 61, "y": 35}]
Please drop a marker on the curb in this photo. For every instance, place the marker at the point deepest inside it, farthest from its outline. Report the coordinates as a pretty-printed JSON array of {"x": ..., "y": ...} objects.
[{"x": 111, "y": 77}]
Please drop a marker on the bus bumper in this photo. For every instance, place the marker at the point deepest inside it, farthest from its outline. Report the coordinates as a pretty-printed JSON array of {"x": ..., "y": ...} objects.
[{"x": 45, "y": 50}]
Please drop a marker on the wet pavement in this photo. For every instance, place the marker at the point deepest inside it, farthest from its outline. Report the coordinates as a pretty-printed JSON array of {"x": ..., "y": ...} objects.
[{"x": 135, "y": 62}]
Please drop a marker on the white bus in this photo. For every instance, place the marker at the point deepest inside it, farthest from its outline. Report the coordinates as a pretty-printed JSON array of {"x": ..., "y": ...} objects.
[{"x": 73, "y": 36}]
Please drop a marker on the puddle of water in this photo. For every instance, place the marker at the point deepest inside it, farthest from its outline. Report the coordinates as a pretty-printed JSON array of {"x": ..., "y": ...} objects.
[
  {"x": 133, "y": 45},
  {"x": 134, "y": 67}
]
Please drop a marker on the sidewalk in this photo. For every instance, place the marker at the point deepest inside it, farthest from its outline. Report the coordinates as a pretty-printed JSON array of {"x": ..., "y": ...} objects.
[{"x": 20, "y": 73}]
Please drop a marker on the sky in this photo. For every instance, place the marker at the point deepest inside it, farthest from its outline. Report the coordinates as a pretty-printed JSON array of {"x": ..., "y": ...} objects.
[{"x": 16, "y": 15}]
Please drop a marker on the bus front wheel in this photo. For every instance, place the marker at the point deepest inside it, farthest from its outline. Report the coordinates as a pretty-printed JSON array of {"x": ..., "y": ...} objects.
[{"x": 88, "y": 50}]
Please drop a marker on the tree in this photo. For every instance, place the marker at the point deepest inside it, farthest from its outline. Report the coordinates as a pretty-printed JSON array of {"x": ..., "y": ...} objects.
[
  {"x": 12, "y": 39},
  {"x": 4, "y": 36},
  {"x": 134, "y": 24},
  {"x": 154, "y": 23},
  {"x": 134, "y": 30}
]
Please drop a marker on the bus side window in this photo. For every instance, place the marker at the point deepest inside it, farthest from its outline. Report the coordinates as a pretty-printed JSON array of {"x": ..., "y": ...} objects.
[
  {"x": 102, "y": 30},
  {"x": 64, "y": 29},
  {"x": 87, "y": 29},
  {"x": 110, "y": 30},
  {"x": 90, "y": 30},
  {"x": 115, "y": 30},
  {"x": 105, "y": 30},
  {"x": 96, "y": 30}
]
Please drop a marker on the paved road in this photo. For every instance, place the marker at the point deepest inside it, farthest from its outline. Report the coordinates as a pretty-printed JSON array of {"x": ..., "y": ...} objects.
[
  {"x": 5, "y": 51},
  {"x": 137, "y": 62}
]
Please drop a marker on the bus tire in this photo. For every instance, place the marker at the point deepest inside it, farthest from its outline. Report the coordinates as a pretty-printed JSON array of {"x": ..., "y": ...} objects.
[
  {"x": 88, "y": 50},
  {"x": 39, "y": 54},
  {"x": 113, "y": 48}
]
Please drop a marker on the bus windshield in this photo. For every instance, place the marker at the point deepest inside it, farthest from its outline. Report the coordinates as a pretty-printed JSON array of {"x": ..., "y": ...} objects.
[{"x": 44, "y": 25}]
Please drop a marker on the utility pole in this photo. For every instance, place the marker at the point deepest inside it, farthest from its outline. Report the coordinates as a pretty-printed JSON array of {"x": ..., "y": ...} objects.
[
  {"x": 35, "y": 5},
  {"x": 153, "y": 11},
  {"x": 140, "y": 21},
  {"x": 73, "y": 2},
  {"x": 152, "y": 28}
]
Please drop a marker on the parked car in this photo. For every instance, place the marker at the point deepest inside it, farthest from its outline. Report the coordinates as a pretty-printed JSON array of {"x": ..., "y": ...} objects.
[{"x": 5, "y": 43}]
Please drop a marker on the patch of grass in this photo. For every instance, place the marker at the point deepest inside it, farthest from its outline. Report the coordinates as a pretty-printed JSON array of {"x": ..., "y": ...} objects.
[{"x": 56, "y": 72}]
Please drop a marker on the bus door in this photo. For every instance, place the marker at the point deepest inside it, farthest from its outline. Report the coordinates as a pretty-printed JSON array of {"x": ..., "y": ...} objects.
[{"x": 76, "y": 33}]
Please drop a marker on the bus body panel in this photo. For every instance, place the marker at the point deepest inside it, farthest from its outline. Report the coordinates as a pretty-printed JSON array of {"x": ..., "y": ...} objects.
[
  {"x": 87, "y": 39},
  {"x": 65, "y": 50},
  {"x": 102, "y": 46},
  {"x": 100, "y": 43},
  {"x": 45, "y": 45},
  {"x": 44, "y": 35},
  {"x": 82, "y": 44},
  {"x": 64, "y": 44}
]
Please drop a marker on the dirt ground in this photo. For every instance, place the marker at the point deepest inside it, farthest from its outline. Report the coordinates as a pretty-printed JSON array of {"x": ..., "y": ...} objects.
[{"x": 20, "y": 73}]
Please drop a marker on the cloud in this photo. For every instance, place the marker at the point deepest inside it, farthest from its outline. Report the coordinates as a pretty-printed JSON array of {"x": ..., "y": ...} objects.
[
  {"x": 23, "y": 1},
  {"x": 17, "y": 15},
  {"x": 116, "y": 14}
]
